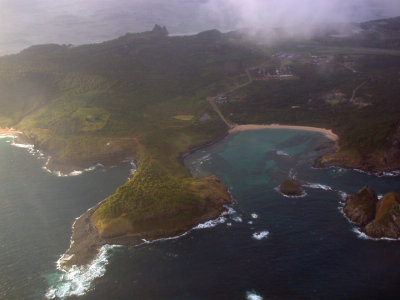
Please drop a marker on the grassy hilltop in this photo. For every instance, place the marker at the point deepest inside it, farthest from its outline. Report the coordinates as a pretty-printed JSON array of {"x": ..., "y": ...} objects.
[{"x": 142, "y": 96}]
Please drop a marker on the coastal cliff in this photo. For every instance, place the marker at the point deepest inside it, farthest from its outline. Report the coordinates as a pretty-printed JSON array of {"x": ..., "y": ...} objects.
[
  {"x": 376, "y": 218},
  {"x": 386, "y": 159},
  {"x": 91, "y": 231}
]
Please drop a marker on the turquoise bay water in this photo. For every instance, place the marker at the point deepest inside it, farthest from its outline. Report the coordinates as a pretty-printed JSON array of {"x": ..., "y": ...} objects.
[{"x": 309, "y": 250}]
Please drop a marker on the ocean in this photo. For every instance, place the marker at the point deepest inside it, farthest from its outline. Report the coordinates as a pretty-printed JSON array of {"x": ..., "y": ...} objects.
[{"x": 267, "y": 247}]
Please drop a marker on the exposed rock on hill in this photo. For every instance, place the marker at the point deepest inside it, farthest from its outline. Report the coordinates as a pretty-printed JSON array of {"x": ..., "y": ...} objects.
[
  {"x": 378, "y": 219},
  {"x": 360, "y": 208},
  {"x": 387, "y": 218}
]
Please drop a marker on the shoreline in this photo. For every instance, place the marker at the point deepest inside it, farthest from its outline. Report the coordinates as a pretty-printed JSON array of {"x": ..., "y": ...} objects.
[
  {"x": 86, "y": 242},
  {"x": 5, "y": 131},
  {"x": 247, "y": 127},
  {"x": 55, "y": 168}
]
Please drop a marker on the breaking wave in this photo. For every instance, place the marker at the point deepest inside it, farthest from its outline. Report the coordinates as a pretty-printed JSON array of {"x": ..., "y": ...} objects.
[
  {"x": 40, "y": 155},
  {"x": 363, "y": 236},
  {"x": 7, "y": 136},
  {"x": 220, "y": 220},
  {"x": 281, "y": 153},
  {"x": 317, "y": 186},
  {"x": 72, "y": 173},
  {"x": 253, "y": 296},
  {"x": 78, "y": 280},
  {"x": 259, "y": 235},
  {"x": 302, "y": 195}
]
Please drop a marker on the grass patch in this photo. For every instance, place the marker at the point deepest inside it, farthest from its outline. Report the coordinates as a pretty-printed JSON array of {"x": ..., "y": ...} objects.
[
  {"x": 184, "y": 117},
  {"x": 91, "y": 118},
  {"x": 334, "y": 101}
]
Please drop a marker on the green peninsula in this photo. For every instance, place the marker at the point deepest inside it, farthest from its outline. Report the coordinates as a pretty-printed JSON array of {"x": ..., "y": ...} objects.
[{"x": 153, "y": 97}]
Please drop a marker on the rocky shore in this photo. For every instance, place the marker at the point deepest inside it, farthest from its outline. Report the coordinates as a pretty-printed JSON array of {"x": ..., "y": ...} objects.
[
  {"x": 378, "y": 162},
  {"x": 86, "y": 241},
  {"x": 291, "y": 188},
  {"x": 377, "y": 218}
]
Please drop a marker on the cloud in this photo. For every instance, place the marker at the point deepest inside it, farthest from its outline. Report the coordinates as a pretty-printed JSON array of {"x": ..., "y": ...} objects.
[
  {"x": 27, "y": 22},
  {"x": 300, "y": 16}
]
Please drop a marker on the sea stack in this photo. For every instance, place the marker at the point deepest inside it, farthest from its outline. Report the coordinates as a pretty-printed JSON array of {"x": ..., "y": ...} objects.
[
  {"x": 290, "y": 187},
  {"x": 377, "y": 218},
  {"x": 387, "y": 218},
  {"x": 360, "y": 208}
]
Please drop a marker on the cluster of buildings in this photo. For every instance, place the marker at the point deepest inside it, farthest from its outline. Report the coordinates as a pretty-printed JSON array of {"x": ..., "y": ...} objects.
[{"x": 268, "y": 73}]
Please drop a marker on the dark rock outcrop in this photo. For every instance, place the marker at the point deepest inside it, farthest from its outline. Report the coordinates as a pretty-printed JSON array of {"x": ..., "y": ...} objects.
[
  {"x": 290, "y": 187},
  {"x": 377, "y": 218},
  {"x": 360, "y": 208},
  {"x": 387, "y": 218},
  {"x": 160, "y": 30}
]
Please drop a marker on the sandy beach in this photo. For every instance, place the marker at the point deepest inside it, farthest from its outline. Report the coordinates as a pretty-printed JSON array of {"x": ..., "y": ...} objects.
[
  {"x": 9, "y": 131},
  {"x": 327, "y": 132}
]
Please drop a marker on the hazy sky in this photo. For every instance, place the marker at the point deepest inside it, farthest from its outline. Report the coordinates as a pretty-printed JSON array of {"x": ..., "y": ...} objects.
[{"x": 27, "y": 22}]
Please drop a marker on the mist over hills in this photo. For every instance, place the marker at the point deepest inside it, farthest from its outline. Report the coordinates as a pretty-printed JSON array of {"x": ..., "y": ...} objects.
[{"x": 25, "y": 22}]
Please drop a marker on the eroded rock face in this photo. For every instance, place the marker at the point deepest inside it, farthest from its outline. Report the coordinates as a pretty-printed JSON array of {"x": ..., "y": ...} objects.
[
  {"x": 387, "y": 218},
  {"x": 392, "y": 155},
  {"x": 360, "y": 208},
  {"x": 378, "y": 219}
]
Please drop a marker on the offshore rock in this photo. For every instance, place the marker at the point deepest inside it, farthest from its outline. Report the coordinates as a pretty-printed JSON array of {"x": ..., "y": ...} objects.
[
  {"x": 387, "y": 218},
  {"x": 290, "y": 187},
  {"x": 360, "y": 208}
]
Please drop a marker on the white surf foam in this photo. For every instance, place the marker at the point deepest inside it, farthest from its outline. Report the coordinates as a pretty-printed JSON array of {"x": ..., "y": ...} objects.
[
  {"x": 254, "y": 215},
  {"x": 133, "y": 169},
  {"x": 211, "y": 223},
  {"x": 237, "y": 219},
  {"x": 356, "y": 229},
  {"x": 259, "y": 235},
  {"x": 78, "y": 280},
  {"x": 281, "y": 153},
  {"x": 201, "y": 160},
  {"x": 363, "y": 236},
  {"x": 317, "y": 186},
  {"x": 253, "y": 296},
  {"x": 7, "y": 136},
  {"x": 72, "y": 173},
  {"x": 391, "y": 174},
  {"x": 40, "y": 155},
  {"x": 302, "y": 195},
  {"x": 383, "y": 174},
  {"x": 220, "y": 220}
]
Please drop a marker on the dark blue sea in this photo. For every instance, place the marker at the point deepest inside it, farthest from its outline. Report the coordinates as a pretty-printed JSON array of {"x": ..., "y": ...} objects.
[{"x": 268, "y": 246}]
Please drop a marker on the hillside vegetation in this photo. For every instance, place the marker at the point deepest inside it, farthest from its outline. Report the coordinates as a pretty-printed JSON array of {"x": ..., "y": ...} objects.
[
  {"x": 145, "y": 95},
  {"x": 139, "y": 96}
]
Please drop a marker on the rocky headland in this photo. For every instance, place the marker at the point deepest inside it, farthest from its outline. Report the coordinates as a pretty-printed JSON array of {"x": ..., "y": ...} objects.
[
  {"x": 386, "y": 159},
  {"x": 377, "y": 218},
  {"x": 87, "y": 238}
]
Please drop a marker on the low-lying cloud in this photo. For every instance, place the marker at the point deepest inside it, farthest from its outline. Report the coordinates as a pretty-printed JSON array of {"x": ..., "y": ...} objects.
[{"x": 27, "y": 22}]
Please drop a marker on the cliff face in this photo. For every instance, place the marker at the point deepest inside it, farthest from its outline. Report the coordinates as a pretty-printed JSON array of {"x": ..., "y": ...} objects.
[
  {"x": 392, "y": 155},
  {"x": 360, "y": 208},
  {"x": 385, "y": 159},
  {"x": 378, "y": 219},
  {"x": 387, "y": 218}
]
